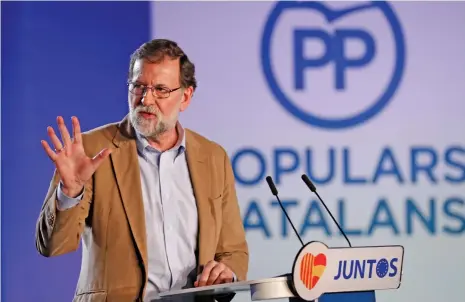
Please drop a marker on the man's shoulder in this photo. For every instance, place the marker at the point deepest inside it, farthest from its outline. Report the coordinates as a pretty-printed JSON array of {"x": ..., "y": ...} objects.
[
  {"x": 95, "y": 139},
  {"x": 103, "y": 132},
  {"x": 205, "y": 143}
]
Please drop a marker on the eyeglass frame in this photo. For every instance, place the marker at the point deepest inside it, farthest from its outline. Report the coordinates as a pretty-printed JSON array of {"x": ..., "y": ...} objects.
[{"x": 152, "y": 89}]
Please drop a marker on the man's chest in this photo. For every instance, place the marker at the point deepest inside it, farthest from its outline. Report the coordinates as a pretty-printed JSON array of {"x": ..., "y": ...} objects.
[{"x": 169, "y": 203}]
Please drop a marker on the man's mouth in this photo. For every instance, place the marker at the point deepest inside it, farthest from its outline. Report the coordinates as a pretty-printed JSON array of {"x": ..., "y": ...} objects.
[{"x": 146, "y": 114}]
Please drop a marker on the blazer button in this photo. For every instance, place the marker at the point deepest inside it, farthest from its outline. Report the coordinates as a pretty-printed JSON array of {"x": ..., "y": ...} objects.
[{"x": 51, "y": 220}]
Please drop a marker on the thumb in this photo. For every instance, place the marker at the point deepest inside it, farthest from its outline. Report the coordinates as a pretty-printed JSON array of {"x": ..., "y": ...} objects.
[{"x": 98, "y": 159}]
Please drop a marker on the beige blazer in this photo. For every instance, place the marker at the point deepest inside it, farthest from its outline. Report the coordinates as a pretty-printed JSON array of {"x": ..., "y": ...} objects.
[{"x": 110, "y": 219}]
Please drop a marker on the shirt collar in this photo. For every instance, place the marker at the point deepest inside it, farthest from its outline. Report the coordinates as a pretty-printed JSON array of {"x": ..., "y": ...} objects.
[{"x": 143, "y": 144}]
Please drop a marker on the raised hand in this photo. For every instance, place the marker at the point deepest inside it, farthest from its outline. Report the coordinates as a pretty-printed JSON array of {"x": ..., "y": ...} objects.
[{"x": 74, "y": 167}]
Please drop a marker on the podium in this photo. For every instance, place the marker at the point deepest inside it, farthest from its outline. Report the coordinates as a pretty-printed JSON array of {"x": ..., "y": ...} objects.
[{"x": 320, "y": 274}]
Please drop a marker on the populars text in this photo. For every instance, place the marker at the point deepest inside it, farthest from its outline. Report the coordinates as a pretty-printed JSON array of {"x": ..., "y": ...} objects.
[{"x": 413, "y": 169}]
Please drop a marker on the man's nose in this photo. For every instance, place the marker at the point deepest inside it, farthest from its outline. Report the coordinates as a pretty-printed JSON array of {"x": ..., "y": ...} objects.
[{"x": 148, "y": 98}]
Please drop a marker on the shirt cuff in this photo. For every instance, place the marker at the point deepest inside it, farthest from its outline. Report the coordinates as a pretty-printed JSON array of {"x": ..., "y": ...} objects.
[{"x": 65, "y": 202}]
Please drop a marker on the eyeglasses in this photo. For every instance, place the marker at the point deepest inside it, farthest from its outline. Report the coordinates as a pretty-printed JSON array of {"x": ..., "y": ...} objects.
[{"x": 157, "y": 91}]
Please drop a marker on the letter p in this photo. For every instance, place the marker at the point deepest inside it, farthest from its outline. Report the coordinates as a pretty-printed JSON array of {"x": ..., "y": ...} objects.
[{"x": 301, "y": 63}]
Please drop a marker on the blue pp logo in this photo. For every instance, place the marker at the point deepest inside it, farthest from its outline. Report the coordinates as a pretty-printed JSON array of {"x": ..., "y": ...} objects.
[{"x": 334, "y": 88}]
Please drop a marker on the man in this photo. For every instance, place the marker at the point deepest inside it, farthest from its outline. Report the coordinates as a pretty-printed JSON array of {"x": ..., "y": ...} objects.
[{"x": 154, "y": 204}]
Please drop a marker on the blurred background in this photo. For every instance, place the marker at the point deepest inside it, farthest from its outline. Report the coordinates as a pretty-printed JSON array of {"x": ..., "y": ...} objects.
[{"x": 366, "y": 98}]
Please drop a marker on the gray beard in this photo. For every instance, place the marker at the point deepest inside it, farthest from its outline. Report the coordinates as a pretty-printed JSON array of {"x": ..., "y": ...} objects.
[{"x": 146, "y": 128}]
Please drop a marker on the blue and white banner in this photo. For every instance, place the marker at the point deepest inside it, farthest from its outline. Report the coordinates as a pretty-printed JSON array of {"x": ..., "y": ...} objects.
[{"x": 364, "y": 97}]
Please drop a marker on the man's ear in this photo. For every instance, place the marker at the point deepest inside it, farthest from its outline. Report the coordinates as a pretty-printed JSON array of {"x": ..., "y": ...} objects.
[{"x": 186, "y": 98}]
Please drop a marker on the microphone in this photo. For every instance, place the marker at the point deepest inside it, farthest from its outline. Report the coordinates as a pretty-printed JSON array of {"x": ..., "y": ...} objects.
[
  {"x": 274, "y": 191},
  {"x": 312, "y": 188}
]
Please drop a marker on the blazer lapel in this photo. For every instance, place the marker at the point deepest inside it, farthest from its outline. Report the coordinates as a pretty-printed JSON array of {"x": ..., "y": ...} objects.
[
  {"x": 126, "y": 164},
  {"x": 198, "y": 164}
]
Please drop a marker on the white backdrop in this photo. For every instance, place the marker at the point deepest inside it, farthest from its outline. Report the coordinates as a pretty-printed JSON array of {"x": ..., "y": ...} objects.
[{"x": 407, "y": 159}]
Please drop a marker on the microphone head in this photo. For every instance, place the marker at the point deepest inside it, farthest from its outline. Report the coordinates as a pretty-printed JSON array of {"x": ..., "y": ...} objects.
[
  {"x": 270, "y": 182},
  {"x": 309, "y": 183}
]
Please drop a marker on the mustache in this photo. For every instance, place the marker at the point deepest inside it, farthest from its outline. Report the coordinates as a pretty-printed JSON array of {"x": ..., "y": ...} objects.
[{"x": 147, "y": 109}]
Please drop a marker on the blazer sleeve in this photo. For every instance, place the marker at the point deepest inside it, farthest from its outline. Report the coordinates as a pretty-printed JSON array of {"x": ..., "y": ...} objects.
[
  {"x": 58, "y": 231},
  {"x": 232, "y": 247}
]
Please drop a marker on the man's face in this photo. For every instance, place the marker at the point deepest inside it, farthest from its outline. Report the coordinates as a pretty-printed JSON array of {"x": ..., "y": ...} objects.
[{"x": 150, "y": 113}]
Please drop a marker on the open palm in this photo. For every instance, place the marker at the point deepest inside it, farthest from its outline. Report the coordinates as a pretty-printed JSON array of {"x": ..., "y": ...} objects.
[{"x": 74, "y": 167}]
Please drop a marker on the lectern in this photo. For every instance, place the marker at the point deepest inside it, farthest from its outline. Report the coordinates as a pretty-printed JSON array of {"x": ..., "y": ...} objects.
[{"x": 321, "y": 274}]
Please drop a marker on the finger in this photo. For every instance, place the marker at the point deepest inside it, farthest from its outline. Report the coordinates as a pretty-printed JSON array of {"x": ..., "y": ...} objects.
[
  {"x": 64, "y": 132},
  {"x": 225, "y": 277},
  {"x": 54, "y": 138},
  {"x": 100, "y": 157},
  {"x": 51, "y": 154},
  {"x": 76, "y": 130},
  {"x": 215, "y": 273},
  {"x": 202, "y": 280}
]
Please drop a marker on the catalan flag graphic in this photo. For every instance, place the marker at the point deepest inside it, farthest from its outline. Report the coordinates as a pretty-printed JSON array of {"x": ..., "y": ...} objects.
[{"x": 311, "y": 269}]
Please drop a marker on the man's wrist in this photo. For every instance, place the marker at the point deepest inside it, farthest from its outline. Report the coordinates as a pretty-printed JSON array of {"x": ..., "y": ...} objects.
[
  {"x": 71, "y": 193},
  {"x": 65, "y": 202}
]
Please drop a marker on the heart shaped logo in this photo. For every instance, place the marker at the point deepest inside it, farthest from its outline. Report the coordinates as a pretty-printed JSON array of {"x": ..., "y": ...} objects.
[
  {"x": 311, "y": 269},
  {"x": 298, "y": 77}
]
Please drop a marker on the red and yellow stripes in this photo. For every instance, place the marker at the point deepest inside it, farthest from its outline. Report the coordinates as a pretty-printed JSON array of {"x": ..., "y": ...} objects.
[{"x": 311, "y": 269}]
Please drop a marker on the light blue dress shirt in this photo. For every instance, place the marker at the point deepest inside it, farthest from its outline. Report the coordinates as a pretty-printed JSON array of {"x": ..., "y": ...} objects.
[{"x": 170, "y": 215}]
